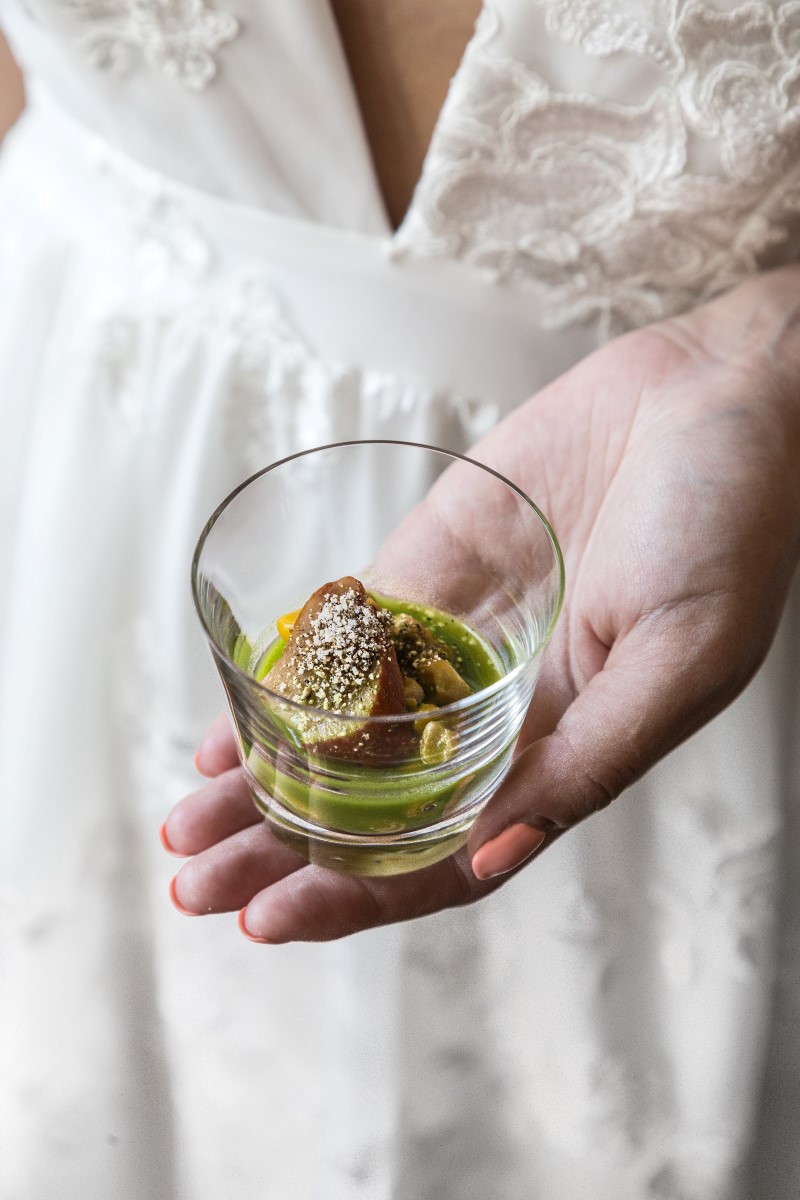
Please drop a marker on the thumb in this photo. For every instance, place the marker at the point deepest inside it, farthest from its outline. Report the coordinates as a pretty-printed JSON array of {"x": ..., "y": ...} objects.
[{"x": 642, "y": 704}]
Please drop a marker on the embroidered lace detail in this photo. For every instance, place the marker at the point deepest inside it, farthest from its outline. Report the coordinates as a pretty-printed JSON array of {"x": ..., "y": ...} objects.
[
  {"x": 178, "y": 37},
  {"x": 599, "y": 206},
  {"x": 603, "y": 27}
]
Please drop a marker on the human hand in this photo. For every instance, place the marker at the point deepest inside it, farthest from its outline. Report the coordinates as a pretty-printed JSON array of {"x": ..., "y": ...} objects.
[{"x": 669, "y": 465}]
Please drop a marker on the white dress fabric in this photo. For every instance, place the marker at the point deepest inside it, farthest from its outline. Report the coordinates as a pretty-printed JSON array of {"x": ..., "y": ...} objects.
[{"x": 197, "y": 277}]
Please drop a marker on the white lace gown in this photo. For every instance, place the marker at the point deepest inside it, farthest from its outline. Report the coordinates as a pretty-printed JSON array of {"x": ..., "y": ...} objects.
[{"x": 197, "y": 277}]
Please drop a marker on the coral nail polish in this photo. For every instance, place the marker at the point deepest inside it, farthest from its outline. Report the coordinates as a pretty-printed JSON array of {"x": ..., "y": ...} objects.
[
  {"x": 162, "y": 833},
  {"x": 186, "y": 912},
  {"x": 197, "y": 763},
  {"x": 251, "y": 936},
  {"x": 507, "y": 851}
]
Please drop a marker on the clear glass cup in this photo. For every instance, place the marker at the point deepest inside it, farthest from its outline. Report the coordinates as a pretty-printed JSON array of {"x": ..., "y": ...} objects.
[{"x": 417, "y": 524}]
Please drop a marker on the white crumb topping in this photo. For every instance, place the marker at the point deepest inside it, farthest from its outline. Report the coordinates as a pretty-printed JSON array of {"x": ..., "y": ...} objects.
[{"x": 341, "y": 653}]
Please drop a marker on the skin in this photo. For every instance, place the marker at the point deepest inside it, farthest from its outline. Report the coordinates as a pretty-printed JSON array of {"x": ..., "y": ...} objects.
[
  {"x": 11, "y": 93},
  {"x": 402, "y": 55},
  {"x": 669, "y": 465}
]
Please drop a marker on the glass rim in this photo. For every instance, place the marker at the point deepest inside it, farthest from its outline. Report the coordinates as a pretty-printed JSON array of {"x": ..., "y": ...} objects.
[{"x": 445, "y": 710}]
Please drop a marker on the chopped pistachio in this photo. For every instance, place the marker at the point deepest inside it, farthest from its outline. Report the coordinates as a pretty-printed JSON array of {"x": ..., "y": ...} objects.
[
  {"x": 437, "y": 744},
  {"x": 423, "y": 721},
  {"x": 415, "y": 693},
  {"x": 442, "y": 682}
]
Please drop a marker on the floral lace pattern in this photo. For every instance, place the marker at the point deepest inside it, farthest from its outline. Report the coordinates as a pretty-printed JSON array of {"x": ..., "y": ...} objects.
[
  {"x": 598, "y": 204},
  {"x": 603, "y": 27},
  {"x": 178, "y": 37}
]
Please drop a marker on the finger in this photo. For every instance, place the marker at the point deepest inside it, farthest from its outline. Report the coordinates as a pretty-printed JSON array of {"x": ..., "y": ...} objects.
[
  {"x": 317, "y": 905},
  {"x": 552, "y": 698},
  {"x": 215, "y": 812},
  {"x": 226, "y": 877},
  {"x": 217, "y": 751},
  {"x": 653, "y": 692}
]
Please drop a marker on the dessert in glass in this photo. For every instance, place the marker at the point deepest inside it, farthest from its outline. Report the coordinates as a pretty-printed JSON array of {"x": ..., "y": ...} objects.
[{"x": 378, "y": 643}]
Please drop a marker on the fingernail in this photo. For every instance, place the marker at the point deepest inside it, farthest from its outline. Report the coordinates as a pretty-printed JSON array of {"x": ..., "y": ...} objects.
[
  {"x": 251, "y": 936},
  {"x": 162, "y": 833},
  {"x": 198, "y": 761},
  {"x": 186, "y": 912},
  {"x": 506, "y": 851}
]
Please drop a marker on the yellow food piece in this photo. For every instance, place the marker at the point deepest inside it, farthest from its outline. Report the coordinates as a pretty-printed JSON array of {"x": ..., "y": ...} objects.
[
  {"x": 414, "y": 693},
  {"x": 437, "y": 744},
  {"x": 442, "y": 682},
  {"x": 286, "y": 623},
  {"x": 424, "y": 708}
]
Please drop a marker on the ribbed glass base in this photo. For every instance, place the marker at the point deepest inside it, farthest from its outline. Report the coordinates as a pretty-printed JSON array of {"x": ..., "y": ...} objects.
[{"x": 359, "y": 855}]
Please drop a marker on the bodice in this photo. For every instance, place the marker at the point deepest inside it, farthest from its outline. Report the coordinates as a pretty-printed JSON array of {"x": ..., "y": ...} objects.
[{"x": 618, "y": 160}]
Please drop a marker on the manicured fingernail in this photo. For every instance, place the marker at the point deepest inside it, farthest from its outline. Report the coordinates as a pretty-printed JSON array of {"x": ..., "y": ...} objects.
[
  {"x": 186, "y": 912},
  {"x": 198, "y": 761},
  {"x": 162, "y": 833},
  {"x": 251, "y": 936},
  {"x": 506, "y": 851}
]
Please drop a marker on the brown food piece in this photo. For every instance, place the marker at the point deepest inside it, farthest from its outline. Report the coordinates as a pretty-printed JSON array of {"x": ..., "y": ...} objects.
[{"x": 340, "y": 658}]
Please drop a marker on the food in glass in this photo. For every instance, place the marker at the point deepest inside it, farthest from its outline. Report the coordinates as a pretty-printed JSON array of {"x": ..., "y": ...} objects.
[{"x": 376, "y": 715}]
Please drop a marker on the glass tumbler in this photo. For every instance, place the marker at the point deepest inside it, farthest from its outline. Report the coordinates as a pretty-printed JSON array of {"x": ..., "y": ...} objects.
[{"x": 416, "y": 525}]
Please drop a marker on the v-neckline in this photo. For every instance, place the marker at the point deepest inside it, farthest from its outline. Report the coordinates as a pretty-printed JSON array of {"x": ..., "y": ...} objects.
[{"x": 392, "y": 232}]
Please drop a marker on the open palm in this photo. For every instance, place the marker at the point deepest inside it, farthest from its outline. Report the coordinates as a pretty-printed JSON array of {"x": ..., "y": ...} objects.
[{"x": 669, "y": 465}]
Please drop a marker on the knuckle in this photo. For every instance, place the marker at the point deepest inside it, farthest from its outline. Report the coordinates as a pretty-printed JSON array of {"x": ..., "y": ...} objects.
[
  {"x": 601, "y": 784},
  {"x": 373, "y": 905},
  {"x": 464, "y": 890},
  {"x": 596, "y": 783}
]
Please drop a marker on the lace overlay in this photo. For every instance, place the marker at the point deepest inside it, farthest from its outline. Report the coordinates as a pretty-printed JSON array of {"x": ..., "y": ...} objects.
[
  {"x": 178, "y": 37},
  {"x": 598, "y": 204},
  {"x": 603, "y": 27}
]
